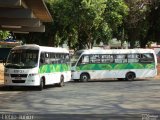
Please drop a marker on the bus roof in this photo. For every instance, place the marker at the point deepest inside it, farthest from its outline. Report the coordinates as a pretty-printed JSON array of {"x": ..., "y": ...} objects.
[
  {"x": 41, "y": 48},
  {"x": 115, "y": 51}
]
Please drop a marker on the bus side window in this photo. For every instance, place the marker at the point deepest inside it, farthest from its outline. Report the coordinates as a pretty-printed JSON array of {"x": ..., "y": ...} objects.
[
  {"x": 121, "y": 58},
  {"x": 54, "y": 58},
  {"x": 95, "y": 58},
  {"x": 83, "y": 60},
  {"x": 59, "y": 58},
  {"x": 147, "y": 58},
  {"x": 67, "y": 59},
  {"x": 47, "y": 58},
  {"x": 133, "y": 58},
  {"x": 106, "y": 58}
]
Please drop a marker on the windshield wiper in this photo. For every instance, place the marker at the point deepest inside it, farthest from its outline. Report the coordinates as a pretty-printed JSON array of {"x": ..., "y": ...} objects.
[
  {"x": 13, "y": 66},
  {"x": 18, "y": 66}
]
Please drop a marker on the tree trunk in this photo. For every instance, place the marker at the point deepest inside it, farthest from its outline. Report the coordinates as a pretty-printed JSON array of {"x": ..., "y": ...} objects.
[
  {"x": 51, "y": 41},
  {"x": 143, "y": 43},
  {"x": 132, "y": 37}
]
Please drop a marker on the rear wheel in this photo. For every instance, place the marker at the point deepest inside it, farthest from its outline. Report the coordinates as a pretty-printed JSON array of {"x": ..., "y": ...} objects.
[
  {"x": 61, "y": 83},
  {"x": 41, "y": 86},
  {"x": 84, "y": 77},
  {"x": 130, "y": 76}
]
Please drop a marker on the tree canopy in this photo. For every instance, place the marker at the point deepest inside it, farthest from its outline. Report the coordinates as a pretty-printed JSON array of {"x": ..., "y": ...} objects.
[
  {"x": 142, "y": 23},
  {"x": 4, "y": 35},
  {"x": 83, "y": 23}
]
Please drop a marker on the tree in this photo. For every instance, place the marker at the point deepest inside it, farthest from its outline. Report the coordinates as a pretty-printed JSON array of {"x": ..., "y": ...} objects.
[
  {"x": 142, "y": 22},
  {"x": 115, "y": 14},
  {"x": 81, "y": 23},
  {"x": 4, "y": 35},
  {"x": 63, "y": 27},
  {"x": 154, "y": 22},
  {"x": 91, "y": 22}
]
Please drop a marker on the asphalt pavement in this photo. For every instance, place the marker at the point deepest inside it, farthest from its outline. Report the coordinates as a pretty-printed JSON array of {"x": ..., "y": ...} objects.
[{"x": 110, "y": 97}]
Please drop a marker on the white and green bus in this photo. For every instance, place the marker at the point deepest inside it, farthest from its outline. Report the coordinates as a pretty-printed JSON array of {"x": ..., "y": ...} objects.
[
  {"x": 34, "y": 65},
  {"x": 123, "y": 64}
]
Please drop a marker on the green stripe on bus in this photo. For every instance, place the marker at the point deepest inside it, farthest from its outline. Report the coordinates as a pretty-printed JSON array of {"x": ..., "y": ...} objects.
[
  {"x": 115, "y": 66},
  {"x": 54, "y": 68}
]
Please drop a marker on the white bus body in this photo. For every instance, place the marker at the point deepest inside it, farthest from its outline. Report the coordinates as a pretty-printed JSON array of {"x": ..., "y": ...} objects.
[
  {"x": 34, "y": 65},
  {"x": 114, "y": 63}
]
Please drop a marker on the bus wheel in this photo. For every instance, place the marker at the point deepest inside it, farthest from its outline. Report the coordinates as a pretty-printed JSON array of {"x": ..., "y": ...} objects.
[
  {"x": 41, "y": 86},
  {"x": 130, "y": 76},
  {"x": 61, "y": 82},
  {"x": 84, "y": 77}
]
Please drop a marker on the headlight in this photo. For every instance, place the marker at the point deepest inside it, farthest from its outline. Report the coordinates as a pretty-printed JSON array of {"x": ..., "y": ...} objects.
[{"x": 32, "y": 74}]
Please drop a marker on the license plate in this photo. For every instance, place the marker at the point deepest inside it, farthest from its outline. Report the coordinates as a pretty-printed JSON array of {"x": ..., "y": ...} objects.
[{"x": 18, "y": 78}]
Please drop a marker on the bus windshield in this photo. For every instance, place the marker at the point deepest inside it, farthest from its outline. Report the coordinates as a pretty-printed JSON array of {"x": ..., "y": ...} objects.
[
  {"x": 75, "y": 58},
  {"x": 22, "y": 59}
]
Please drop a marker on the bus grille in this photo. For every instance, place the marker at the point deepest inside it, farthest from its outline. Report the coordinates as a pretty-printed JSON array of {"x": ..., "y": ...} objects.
[
  {"x": 18, "y": 75},
  {"x": 18, "y": 81}
]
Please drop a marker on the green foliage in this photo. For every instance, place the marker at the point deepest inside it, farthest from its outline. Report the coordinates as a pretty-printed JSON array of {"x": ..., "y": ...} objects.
[
  {"x": 4, "y": 35},
  {"x": 142, "y": 22},
  {"x": 90, "y": 22},
  {"x": 82, "y": 23},
  {"x": 154, "y": 22},
  {"x": 103, "y": 34},
  {"x": 115, "y": 13}
]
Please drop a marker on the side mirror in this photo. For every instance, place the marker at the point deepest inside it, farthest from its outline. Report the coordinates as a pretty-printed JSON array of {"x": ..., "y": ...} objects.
[
  {"x": 79, "y": 63},
  {"x": 42, "y": 61}
]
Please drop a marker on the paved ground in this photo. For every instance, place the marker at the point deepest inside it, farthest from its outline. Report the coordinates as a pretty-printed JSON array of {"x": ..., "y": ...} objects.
[{"x": 107, "y": 97}]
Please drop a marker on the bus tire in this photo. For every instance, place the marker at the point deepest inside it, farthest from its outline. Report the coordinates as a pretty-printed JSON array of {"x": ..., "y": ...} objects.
[
  {"x": 84, "y": 77},
  {"x": 41, "y": 86},
  {"x": 61, "y": 83},
  {"x": 130, "y": 76}
]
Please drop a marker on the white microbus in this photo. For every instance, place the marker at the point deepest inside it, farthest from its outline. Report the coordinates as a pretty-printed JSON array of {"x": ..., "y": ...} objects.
[
  {"x": 34, "y": 65},
  {"x": 123, "y": 64}
]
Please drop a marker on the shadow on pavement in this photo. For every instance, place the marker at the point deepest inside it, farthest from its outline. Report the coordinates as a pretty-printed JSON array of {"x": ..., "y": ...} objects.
[
  {"x": 29, "y": 88},
  {"x": 87, "y": 117},
  {"x": 111, "y": 80},
  {"x": 23, "y": 88}
]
